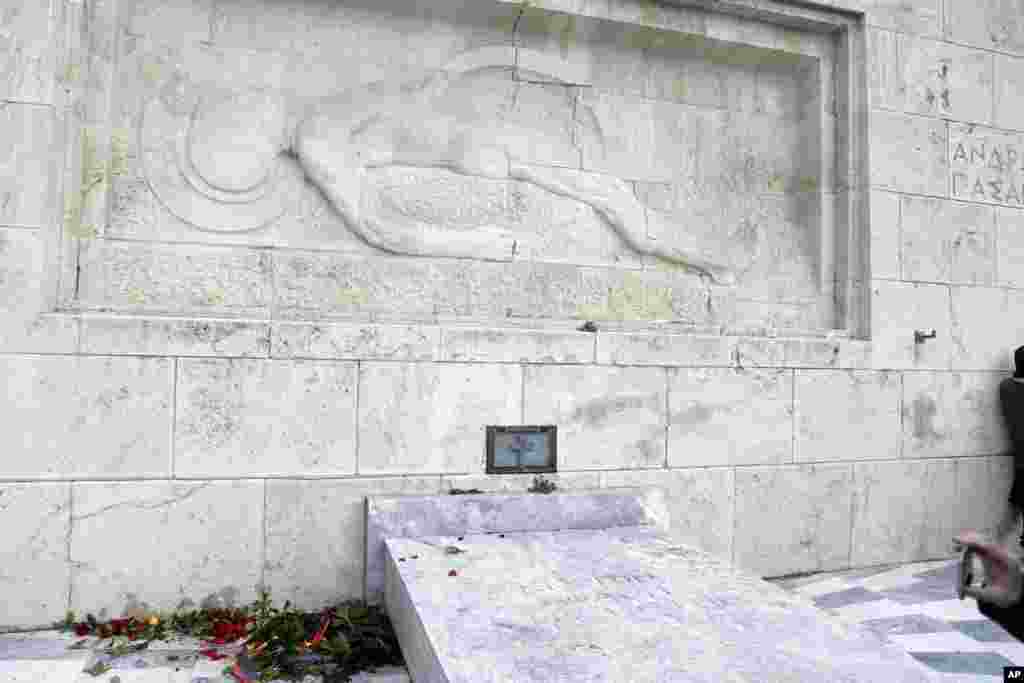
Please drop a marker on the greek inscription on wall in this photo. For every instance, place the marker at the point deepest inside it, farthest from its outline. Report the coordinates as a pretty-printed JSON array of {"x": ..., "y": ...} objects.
[{"x": 986, "y": 165}]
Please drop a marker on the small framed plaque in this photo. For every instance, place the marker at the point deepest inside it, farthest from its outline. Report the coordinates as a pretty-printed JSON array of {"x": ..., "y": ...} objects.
[{"x": 515, "y": 450}]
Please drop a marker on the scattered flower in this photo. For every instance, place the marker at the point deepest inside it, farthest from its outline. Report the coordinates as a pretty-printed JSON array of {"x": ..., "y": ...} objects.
[
  {"x": 453, "y": 573},
  {"x": 82, "y": 630},
  {"x": 212, "y": 653},
  {"x": 153, "y": 621}
]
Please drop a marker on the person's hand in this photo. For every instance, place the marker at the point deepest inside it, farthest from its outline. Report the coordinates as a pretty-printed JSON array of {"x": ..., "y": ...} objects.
[{"x": 1005, "y": 579}]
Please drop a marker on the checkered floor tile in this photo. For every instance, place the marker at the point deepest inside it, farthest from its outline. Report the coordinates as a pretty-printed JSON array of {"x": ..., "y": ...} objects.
[{"x": 916, "y": 607}]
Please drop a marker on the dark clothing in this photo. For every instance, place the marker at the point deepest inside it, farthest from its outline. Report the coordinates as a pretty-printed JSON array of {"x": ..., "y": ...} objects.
[
  {"x": 1011, "y": 401},
  {"x": 1010, "y": 618}
]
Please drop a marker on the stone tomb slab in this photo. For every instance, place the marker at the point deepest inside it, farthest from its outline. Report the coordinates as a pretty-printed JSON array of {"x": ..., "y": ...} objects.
[
  {"x": 620, "y": 604},
  {"x": 455, "y": 515}
]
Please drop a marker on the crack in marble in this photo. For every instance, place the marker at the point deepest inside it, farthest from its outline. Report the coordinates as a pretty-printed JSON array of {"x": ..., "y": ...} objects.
[{"x": 141, "y": 505}]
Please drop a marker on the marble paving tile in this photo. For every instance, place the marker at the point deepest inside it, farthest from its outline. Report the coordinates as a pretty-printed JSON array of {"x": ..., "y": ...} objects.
[
  {"x": 230, "y": 421},
  {"x": 950, "y": 610},
  {"x": 944, "y": 641},
  {"x": 851, "y": 596},
  {"x": 315, "y": 535},
  {"x": 14, "y": 647},
  {"x": 949, "y": 571},
  {"x": 822, "y": 587},
  {"x": 215, "y": 553},
  {"x": 1014, "y": 651},
  {"x": 728, "y": 416},
  {"x": 606, "y": 416},
  {"x": 906, "y": 625},
  {"x": 922, "y": 591},
  {"x": 41, "y": 671},
  {"x": 417, "y": 417},
  {"x": 875, "y": 609},
  {"x": 984, "y": 630},
  {"x": 979, "y": 663}
]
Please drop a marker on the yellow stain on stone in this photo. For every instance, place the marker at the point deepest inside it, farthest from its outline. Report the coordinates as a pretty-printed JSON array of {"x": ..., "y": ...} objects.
[
  {"x": 215, "y": 297},
  {"x": 808, "y": 184},
  {"x": 633, "y": 301},
  {"x": 70, "y": 73},
  {"x": 679, "y": 89},
  {"x": 152, "y": 72},
  {"x": 776, "y": 184},
  {"x": 120, "y": 144},
  {"x": 136, "y": 296},
  {"x": 648, "y": 12},
  {"x": 349, "y": 296},
  {"x": 791, "y": 41}
]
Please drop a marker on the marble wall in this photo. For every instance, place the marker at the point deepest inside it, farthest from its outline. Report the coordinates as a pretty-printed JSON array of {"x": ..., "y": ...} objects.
[{"x": 214, "y": 413}]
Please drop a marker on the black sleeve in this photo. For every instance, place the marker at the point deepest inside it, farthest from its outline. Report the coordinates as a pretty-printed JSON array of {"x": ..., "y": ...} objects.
[{"x": 1010, "y": 618}]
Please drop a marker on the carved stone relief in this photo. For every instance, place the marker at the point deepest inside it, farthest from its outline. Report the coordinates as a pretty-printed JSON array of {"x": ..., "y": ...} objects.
[{"x": 219, "y": 160}]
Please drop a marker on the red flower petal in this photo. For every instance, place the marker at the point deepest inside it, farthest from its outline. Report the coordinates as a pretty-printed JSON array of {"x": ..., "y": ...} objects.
[
  {"x": 82, "y": 630},
  {"x": 453, "y": 573}
]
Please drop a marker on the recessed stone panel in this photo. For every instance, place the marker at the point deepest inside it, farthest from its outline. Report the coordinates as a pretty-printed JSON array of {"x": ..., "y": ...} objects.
[{"x": 476, "y": 149}]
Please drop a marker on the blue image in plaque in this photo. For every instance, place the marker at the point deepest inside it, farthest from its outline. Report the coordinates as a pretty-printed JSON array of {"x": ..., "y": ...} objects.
[{"x": 522, "y": 448}]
